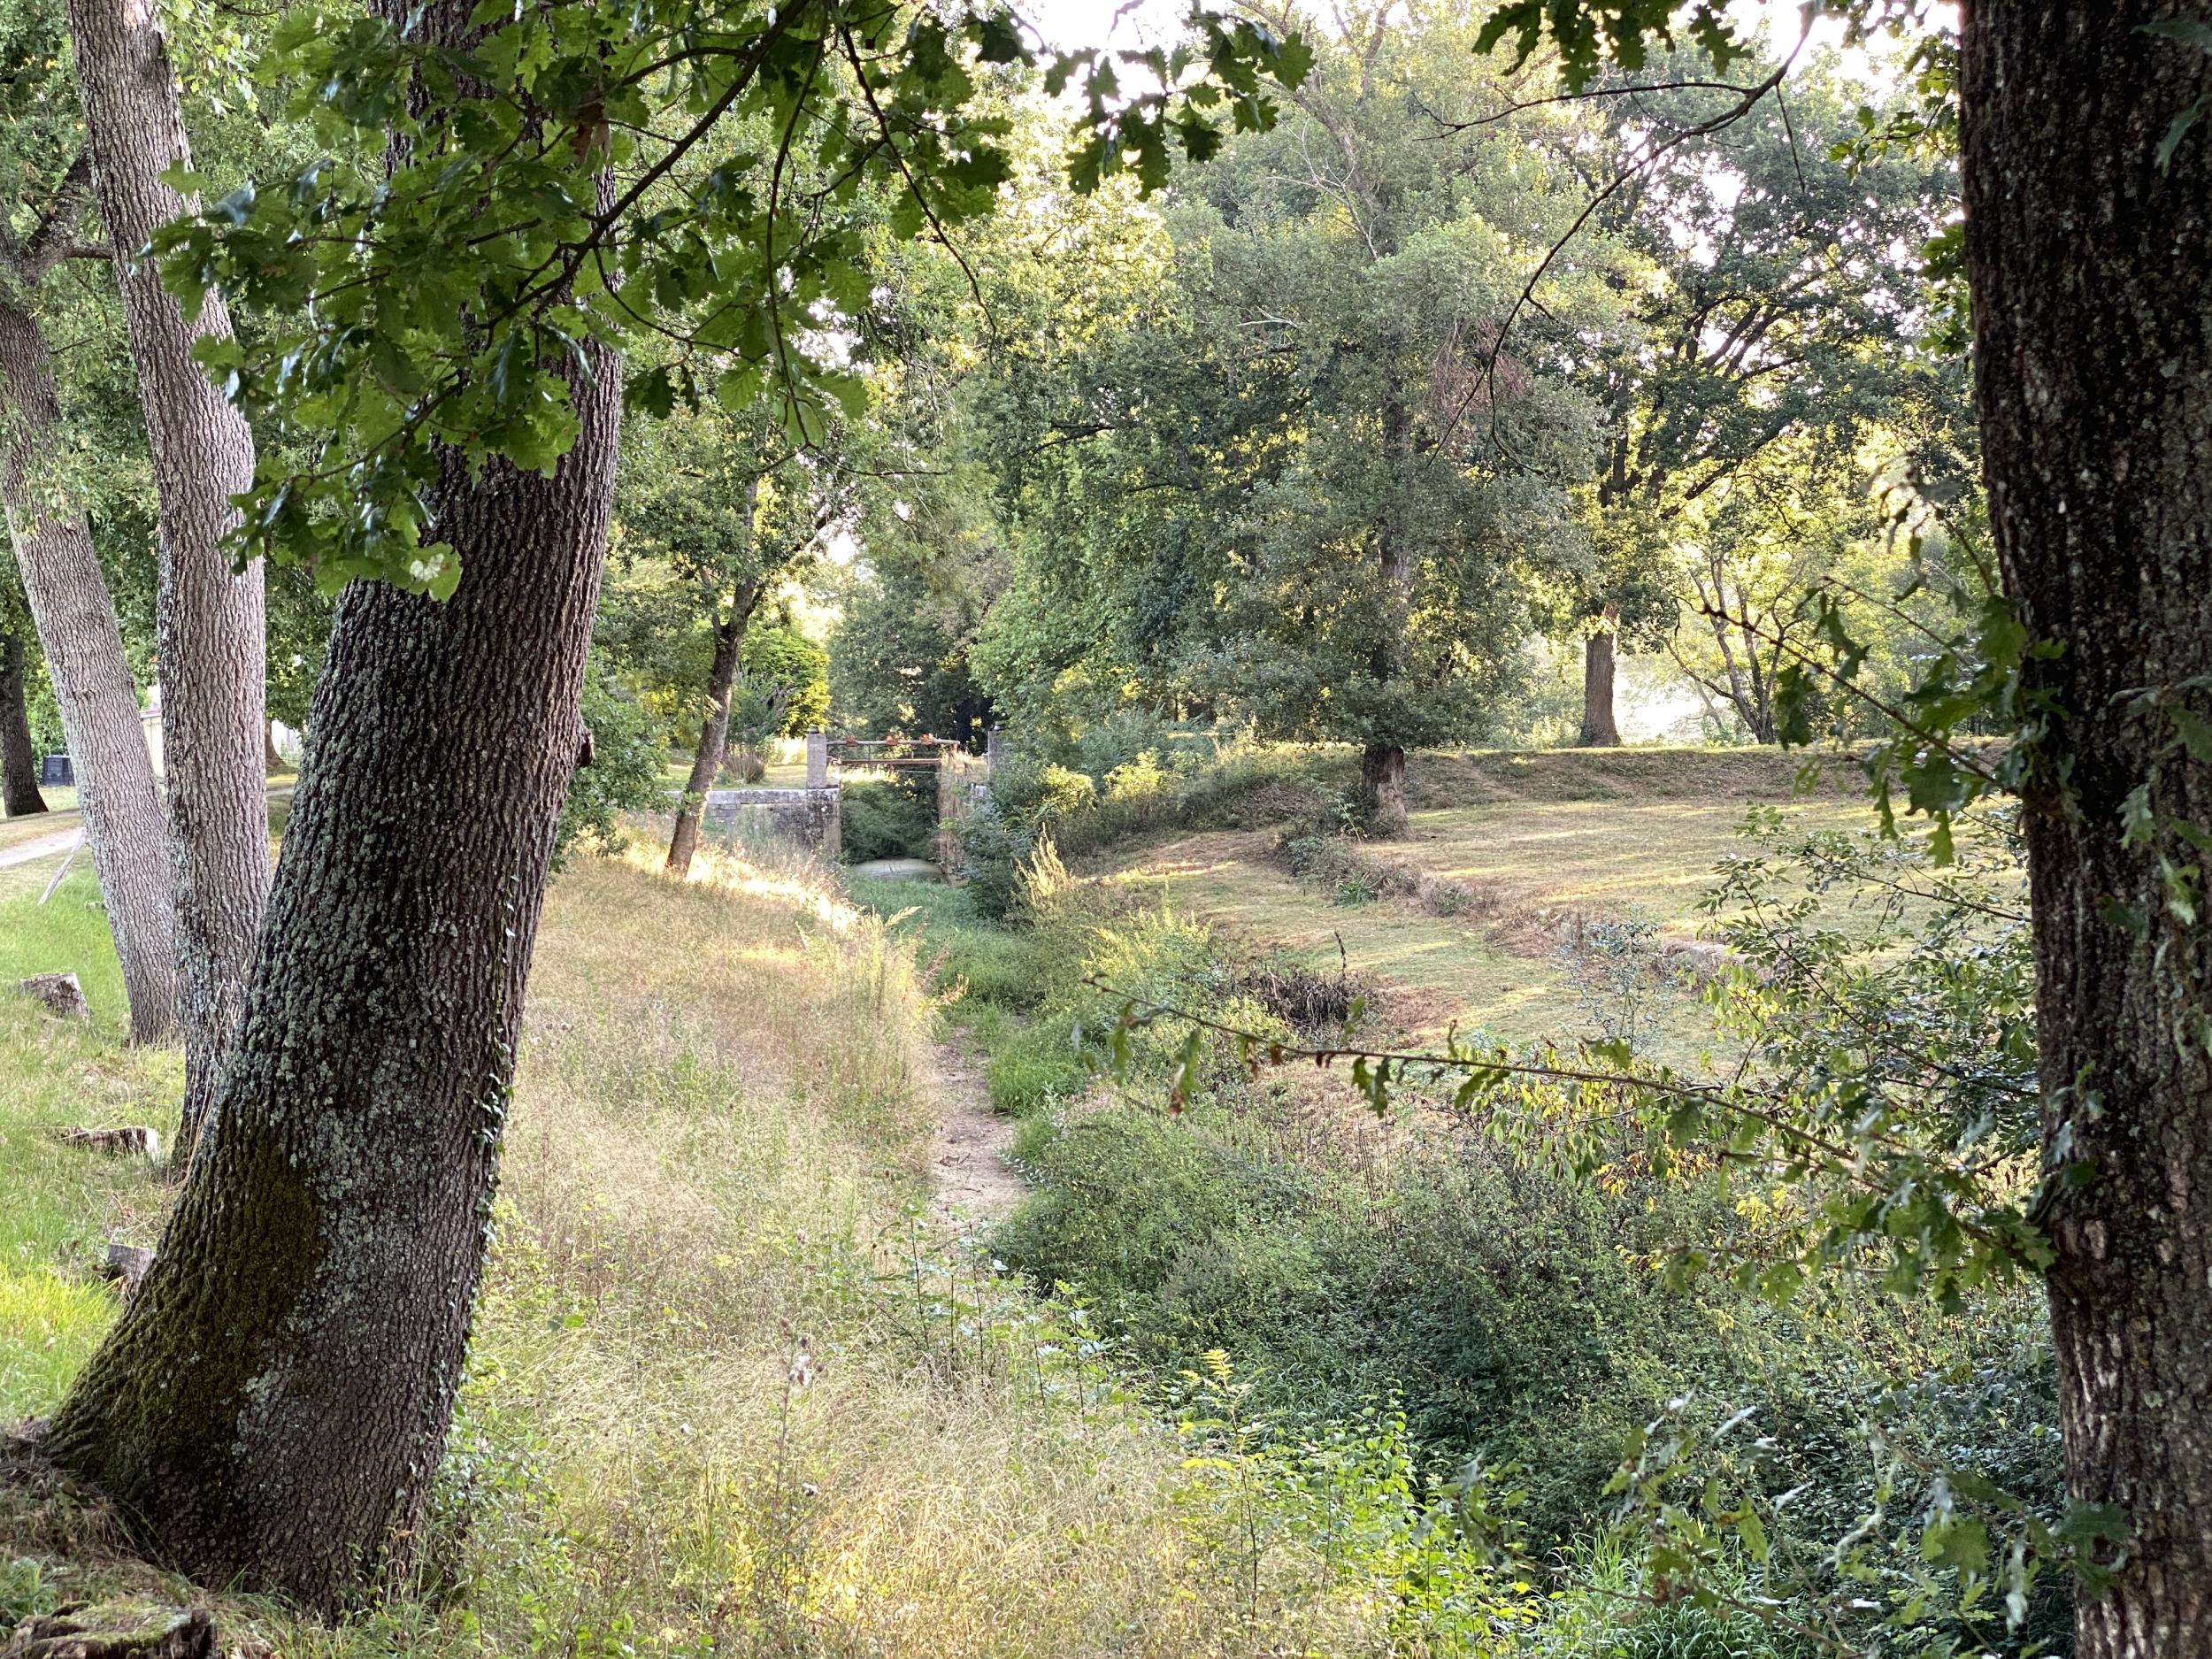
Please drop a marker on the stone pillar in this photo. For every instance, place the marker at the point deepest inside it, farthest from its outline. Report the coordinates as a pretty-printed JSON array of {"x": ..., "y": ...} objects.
[
  {"x": 818, "y": 759},
  {"x": 994, "y": 746}
]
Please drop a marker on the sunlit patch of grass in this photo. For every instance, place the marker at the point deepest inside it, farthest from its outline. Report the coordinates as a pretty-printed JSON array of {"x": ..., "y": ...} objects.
[
  {"x": 1540, "y": 839},
  {"x": 51, "y": 1324},
  {"x": 62, "y": 1203}
]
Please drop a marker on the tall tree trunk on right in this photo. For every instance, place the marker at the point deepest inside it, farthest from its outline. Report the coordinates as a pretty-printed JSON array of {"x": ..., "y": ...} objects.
[
  {"x": 209, "y": 618},
  {"x": 1599, "y": 730},
  {"x": 2091, "y": 269},
  {"x": 19, "y": 796},
  {"x": 714, "y": 726},
  {"x": 75, "y": 618}
]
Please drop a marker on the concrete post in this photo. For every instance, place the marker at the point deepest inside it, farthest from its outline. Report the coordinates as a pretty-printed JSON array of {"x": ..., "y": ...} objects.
[
  {"x": 818, "y": 759},
  {"x": 993, "y": 748}
]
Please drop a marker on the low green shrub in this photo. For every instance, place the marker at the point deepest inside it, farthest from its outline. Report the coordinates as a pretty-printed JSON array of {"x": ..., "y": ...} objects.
[
  {"x": 1106, "y": 788},
  {"x": 993, "y": 845},
  {"x": 1496, "y": 1305},
  {"x": 1608, "y": 1611},
  {"x": 1036, "y": 1067}
]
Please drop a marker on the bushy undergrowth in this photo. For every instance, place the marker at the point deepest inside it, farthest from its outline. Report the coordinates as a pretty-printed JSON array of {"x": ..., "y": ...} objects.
[
  {"x": 888, "y": 817},
  {"x": 1515, "y": 1315},
  {"x": 1498, "y": 1306}
]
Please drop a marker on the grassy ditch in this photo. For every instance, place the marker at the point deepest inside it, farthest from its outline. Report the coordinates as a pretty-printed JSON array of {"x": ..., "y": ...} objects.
[
  {"x": 735, "y": 1388},
  {"x": 1513, "y": 1315}
]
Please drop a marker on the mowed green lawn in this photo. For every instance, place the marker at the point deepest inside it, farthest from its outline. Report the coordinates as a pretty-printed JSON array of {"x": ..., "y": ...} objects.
[{"x": 1537, "y": 839}]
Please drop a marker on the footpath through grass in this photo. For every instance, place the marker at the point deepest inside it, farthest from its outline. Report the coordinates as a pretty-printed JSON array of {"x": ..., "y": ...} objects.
[{"x": 734, "y": 1389}]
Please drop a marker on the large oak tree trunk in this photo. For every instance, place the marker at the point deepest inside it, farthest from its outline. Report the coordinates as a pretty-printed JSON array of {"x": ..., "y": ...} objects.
[
  {"x": 714, "y": 726},
  {"x": 273, "y": 1403},
  {"x": 1598, "y": 728},
  {"x": 2091, "y": 277},
  {"x": 209, "y": 618},
  {"x": 19, "y": 796},
  {"x": 75, "y": 618}
]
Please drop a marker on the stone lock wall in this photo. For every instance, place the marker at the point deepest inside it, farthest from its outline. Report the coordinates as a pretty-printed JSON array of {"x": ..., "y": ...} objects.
[{"x": 807, "y": 817}]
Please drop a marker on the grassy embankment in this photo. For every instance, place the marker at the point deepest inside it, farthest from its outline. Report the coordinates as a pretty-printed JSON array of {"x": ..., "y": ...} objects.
[
  {"x": 1348, "y": 1264},
  {"x": 1461, "y": 921},
  {"x": 734, "y": 1389}
]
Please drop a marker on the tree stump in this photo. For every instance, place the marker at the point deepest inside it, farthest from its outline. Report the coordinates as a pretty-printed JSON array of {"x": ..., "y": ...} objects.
[
  {"x": 126, "y": 1266},
  {"x": 115, "y": 1630},
  {"x": 64, "y": 997}
]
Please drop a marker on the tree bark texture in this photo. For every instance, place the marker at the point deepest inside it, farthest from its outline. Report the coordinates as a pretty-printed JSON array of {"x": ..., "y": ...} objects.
[
  {"x": 1382, "y": 771},
  {"x": 714, "y": 726},
  {"x": 19, "y": 796},
  {"x": 1383, "y": 760},
  {"x": 272, "y": 1404},
  {"x": 2091, "y": 277},
  {"x": 1599, "y": 730},
  {"x": 75, "y": 618},
  {"x": 209, "y": 618}
]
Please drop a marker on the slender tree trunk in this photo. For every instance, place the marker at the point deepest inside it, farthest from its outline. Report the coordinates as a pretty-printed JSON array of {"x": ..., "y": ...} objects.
[
  {"x": 1598, "y": 728},
  {"x": 18, "y": 760},
  {"x": 209, "y": 618},
  {"x": 272, "y": 758},
  {"x": 714, "y": 726},
  {"x": 1382, "y": 771},
  {"x": 75, "y": 618},
  {"x": 2092, "y": 278},
  {"x": 1383, "y": 760}
]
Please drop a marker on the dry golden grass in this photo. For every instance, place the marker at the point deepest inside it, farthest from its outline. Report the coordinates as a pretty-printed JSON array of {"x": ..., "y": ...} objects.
[{"x": 733, "y": 1390}]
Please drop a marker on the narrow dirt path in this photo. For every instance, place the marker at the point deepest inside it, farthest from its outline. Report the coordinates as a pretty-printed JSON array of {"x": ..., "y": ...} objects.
[
  {"x": 43, "y": 846},
  {"x": 968, "y": 1167}
]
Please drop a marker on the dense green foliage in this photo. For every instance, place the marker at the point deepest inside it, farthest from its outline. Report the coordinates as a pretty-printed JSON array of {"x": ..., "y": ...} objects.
[
  {"x": 448, "y": 288},
  {"x": 1247, "y": 479},
  {"x": 623, "y": 776},
  {"x": 782, "y": 655},
  {"x": 889, "y": 817}
]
